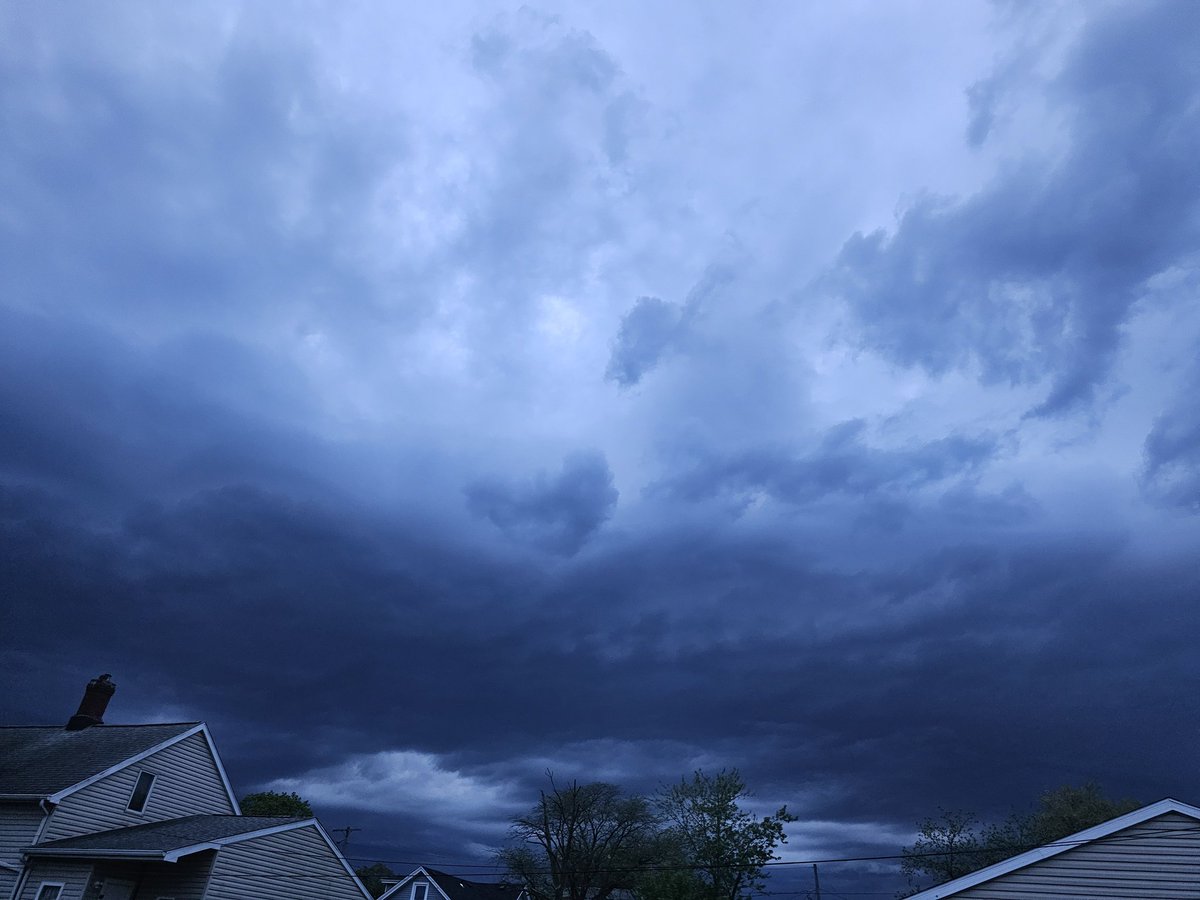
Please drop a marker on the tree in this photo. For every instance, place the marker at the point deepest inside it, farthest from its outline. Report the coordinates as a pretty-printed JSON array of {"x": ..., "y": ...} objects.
[
  {"x": 274, "y": 803},
  {"x": 372, "y": 877},
  {"x": 956, "y": 844},
  {"x": 580, "y": 842},
  {"x": 725, "y": 847},
  {"x": 946, "y": 848}
]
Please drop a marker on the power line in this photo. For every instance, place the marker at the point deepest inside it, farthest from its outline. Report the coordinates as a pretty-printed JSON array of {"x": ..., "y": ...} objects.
[{"x": 493, "y": 868}]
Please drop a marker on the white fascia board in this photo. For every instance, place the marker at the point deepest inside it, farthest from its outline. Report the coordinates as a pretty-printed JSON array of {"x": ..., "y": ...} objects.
[
  {"x": 218, "y": 843},
  {"x": 212, "y": 748},
  {"x": 136, "y": 758},
  {"x": 399, "y": 884},
  {"x": 177, "y": 854},
  {"x": 419, "y": 870},
  {"x": 345, "y": 865},
  {"x": 1070, "y": 842}
]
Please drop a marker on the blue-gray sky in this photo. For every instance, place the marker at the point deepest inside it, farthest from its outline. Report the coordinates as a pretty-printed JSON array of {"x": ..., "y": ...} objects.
[{"x": 429, "y": 397}]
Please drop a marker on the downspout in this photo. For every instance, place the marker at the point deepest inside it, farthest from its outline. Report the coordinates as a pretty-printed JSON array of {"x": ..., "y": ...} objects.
[
  {"x": 47, "y": 810},
  {"x": 47, "y": 807}
]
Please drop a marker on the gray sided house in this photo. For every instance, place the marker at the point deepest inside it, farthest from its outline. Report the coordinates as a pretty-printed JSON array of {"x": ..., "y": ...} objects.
[
  {"x": 145, "y": 812},
  {"x": 1152, "y": 852},
  {"x": 424, "y": 883}
]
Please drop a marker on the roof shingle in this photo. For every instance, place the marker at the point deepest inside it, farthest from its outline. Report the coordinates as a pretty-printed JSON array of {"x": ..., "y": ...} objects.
[
  {"x": 164, "y": 837},
  {"x": 42, "y": 760}
]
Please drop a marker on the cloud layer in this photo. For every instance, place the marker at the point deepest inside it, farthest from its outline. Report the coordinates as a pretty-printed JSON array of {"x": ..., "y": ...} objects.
[{"x": 429, "y": 399}]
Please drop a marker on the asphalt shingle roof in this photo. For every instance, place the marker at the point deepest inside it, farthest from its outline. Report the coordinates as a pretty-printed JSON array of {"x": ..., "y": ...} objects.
[
  {"x": 42, "y": 760},
  {"x": 460, "y": 889},
  {"x": 169, "y": 835}
]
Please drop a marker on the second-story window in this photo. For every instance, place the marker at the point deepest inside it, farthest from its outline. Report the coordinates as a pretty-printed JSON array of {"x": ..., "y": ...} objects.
[
  {"x": 141, "y": 792},
  {"x": 420, "y": 891}
]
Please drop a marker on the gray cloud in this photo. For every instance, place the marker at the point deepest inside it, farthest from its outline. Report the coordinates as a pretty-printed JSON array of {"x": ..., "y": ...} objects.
[
  {"x": 1033, "y": 276},
  {"x": 1171, "y": 471},
  {"x": 559, "y": 513},
  {"x": 841, "y": 463},
  {"x": 268, "y": 306},
  {"x": 646, "y": 332}
]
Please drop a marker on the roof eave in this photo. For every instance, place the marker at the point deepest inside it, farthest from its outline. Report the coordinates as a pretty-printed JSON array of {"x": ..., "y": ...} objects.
[{"x": 76, "y": 853}]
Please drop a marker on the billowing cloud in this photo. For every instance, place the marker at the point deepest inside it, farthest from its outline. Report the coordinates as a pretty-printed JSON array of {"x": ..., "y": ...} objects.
[
  {"x": 1172, "y": 451},
  {"x": 558, "y": 513},
  {"x": 1031, "y": 278},
  {"x": 428, "y": 400}
]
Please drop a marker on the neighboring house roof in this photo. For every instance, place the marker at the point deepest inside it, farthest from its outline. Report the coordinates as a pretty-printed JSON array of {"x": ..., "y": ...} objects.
[
  {"x": 1071, "y": 842},
  {"x": 40, "y": 761},
  {"x": 453, "y": 887}
]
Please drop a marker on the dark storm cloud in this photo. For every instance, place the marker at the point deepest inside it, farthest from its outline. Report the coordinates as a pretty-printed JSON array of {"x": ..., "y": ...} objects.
[
  {"x": 97, "y": 417},
  {"x": 841, "y": 463},
  {"x": 1034, "y": 276},
  {"x": 195, "y": 196},
  {"x": 1172, "y": 450},
  {"x": 646, "y": 331},
  {"x": 559, "y": 513},
  {"x": 654, "y": 327},
  {"x": 261, "y": 338}
]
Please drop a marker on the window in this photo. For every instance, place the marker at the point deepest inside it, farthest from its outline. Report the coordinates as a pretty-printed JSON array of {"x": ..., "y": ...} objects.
[
  {"x": 49, "y": 891},
  {"x": 420, "y": 891},
  {"x": 141, "y": 793}
]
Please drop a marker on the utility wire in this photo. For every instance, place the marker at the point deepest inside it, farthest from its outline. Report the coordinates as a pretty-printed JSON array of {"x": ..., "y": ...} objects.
[{"x": 679, "y": 867}]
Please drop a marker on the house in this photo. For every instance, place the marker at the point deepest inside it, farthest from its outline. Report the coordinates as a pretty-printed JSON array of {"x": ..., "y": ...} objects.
[
  {"x": 1152, "y": 852},
  {"x": 145, "y": 812},
  {"x": 424, "y": 883}
]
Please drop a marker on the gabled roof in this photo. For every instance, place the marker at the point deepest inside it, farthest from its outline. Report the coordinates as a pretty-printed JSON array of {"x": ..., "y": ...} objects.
[
  {"x": 40, "y": 761},
  {"x": 166, "y": 839},
  {"x": 452, "y": 887},
  {"x": 176, "y": 838},
  {"x": 1096, "y": 832}
]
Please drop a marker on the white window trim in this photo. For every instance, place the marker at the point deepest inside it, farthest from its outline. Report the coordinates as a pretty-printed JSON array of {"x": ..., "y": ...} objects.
[
  {"x": 424, "y": 891},
  {"x": 149, "y": 792},
  {"x": 61, "y": 885}
]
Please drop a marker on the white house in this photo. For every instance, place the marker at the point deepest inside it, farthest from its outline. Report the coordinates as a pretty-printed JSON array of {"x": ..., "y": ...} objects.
[{"x": 1152, "y": 853}]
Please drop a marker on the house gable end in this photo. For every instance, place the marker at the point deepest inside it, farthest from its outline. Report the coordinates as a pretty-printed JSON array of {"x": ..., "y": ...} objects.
[
  {"x": 186, "y": 778},
  {"x": 296, "y": 862},
  {"x": 1116, "y": 859},
  {"x": 395, "y": 892}
]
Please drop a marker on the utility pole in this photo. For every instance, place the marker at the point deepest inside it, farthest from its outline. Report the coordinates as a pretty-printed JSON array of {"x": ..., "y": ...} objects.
[
  {"x": 816, "y": 881},
  {"x": 346, "y": 832}
]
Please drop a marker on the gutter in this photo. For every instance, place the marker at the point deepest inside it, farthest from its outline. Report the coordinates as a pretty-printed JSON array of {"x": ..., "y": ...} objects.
[{"x": 74, "y": 853}]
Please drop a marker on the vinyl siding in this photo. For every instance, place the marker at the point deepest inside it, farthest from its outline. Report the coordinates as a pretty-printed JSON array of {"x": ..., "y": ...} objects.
[
  {"x": 187, "y": 782},
  {"x": 18, "y": 827},
  {"x": 74, "y": 876},
  {"x": 1159, "y": 858},
  {"x": 290, "y": 865},
  {"x": 406, "y": 892}
]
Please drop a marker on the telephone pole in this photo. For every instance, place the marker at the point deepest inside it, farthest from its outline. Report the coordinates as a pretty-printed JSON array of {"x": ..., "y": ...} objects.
[
  {"x": 816, "y": 882},
  {"x": 346, "y": 832}
]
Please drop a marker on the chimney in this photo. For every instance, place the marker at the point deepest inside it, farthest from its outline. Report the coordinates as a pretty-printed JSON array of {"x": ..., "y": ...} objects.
[{"x": 95, "y": 700}]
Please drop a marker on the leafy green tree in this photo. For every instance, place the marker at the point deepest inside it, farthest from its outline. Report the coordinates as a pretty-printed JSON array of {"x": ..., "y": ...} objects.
[
  {"x": 956, "y": 843},
  {"x": 725, "y": 846},
  {"x": 580, "y": 842},
  {"x": 372, "y": 877},
  {"x": 274, "y": 803}
]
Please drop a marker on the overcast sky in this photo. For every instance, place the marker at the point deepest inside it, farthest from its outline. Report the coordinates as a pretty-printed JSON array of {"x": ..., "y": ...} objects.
[{"x": 428, "y": 396}]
